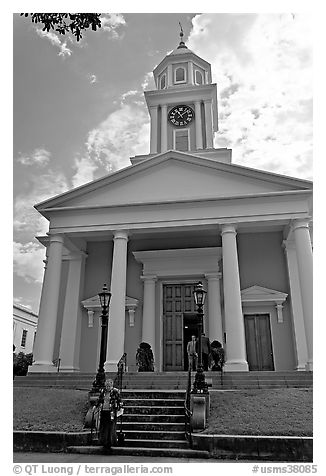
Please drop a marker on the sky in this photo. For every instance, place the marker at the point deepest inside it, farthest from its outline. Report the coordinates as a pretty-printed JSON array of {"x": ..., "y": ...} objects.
[{"x": 79, "y": 111}]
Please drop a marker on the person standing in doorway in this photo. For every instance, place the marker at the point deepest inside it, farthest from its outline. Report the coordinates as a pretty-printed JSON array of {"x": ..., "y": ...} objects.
[
  {"x": 205, "y": 350},
  {"x": 192, "y": 353}
]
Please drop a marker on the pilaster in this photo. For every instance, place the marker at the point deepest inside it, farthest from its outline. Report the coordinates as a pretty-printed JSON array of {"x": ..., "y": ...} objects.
[{"x": 215, "y": 331}]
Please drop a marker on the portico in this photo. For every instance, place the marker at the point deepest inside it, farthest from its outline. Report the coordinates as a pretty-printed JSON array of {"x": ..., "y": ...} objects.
[{"x": 151, "y": 231}]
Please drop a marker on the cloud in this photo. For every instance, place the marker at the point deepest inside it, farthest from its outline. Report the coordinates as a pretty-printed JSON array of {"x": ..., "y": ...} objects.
[
  {"x": 124, "y": 133},
  {"x": 26, "y": 219},
  {"x": 28, "y": 261},
  {"x": 111, "y": 22},
  {"x": 38, "y": 157},
  {"x": 55, "y": 41},
  {"x": 85, "y": 168},
  {"x": 262, "y": 65}
]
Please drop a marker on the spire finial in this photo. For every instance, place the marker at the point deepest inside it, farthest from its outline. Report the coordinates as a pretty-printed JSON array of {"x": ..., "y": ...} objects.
[{"x": 182, "y": 43}]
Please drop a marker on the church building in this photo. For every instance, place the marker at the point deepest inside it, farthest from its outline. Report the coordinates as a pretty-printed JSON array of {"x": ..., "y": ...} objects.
[{"x": 184, "y": 213}]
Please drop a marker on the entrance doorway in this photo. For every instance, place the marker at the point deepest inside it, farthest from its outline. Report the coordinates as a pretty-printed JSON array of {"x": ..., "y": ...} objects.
[
  {"x": 178, "y": 327},
  {"x": 259, "y": 342}
]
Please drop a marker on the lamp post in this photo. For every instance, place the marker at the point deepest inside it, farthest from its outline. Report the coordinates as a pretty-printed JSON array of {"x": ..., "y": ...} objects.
[
  {"x": 105, "y": 297},
  {"x": 200, "y": 385}
]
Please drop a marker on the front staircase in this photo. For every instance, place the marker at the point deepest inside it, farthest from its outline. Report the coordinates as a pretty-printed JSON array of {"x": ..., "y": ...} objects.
[{"x": 153, "y": 420}]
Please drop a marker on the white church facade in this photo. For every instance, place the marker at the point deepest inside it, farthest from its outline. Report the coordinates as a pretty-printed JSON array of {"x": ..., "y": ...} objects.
[{"x": 181, "y": 214}]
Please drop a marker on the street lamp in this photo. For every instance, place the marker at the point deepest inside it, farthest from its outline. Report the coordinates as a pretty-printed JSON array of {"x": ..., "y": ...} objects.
[
  {"x": 200, "y": 385},
  {"x": 105, "y": 297}
]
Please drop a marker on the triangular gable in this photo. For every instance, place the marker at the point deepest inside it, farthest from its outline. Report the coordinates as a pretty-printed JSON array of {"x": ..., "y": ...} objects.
[
  {"x": 174, "y": 176},
  {"x": 261, "y": 294}
]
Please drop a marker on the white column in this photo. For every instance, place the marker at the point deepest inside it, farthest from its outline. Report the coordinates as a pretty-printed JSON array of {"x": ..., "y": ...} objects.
[
  {"x": 236, "y": 358},
  {"x": 198, "y": 124},
  {"x": 117, "y": 310},
  {"x": 208, "y": 123},
  {"x": 154, "y": 131},
  {"x": 215, "y": 331},
  {"x": 164, "y": 132},
  {"x": 148, "y": 327},
  {"x": 47, "y": 318},
  {"x": 300, "y": 229},
  {"x": 71, "y": 323},
  {"x": 296, "y": 305}
]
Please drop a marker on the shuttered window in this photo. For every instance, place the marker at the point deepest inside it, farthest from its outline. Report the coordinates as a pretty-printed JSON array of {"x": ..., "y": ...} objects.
[{"x": 182, "y": 140}]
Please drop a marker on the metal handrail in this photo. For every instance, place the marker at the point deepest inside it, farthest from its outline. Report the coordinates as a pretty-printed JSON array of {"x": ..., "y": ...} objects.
[
  {"x": 122, "y": 367},
  {"x": 188, "y": 412}
]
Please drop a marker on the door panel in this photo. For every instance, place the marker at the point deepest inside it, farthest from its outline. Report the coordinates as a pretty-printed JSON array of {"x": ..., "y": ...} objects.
[
  {"x": 177, "y": 299},
  {"x": 258, "y": 342}
]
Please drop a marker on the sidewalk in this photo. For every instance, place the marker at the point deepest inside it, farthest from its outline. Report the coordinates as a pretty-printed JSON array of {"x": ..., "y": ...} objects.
[{"x": 101, "y": 459}]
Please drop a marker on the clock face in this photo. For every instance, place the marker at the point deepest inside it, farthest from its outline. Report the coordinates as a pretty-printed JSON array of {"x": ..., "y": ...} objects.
[{"x": 181, "y": 115}]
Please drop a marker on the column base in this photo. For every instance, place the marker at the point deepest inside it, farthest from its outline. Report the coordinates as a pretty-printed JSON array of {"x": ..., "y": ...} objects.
[
  {"x": 301, "y": 368},
  {"x": 236, "y": 366},
  {"x": 111, "y": 366},
  {"x": 67, "y": 369},
  {"x": 42, "y": 368},
  {"x": 309, "y": 367}
]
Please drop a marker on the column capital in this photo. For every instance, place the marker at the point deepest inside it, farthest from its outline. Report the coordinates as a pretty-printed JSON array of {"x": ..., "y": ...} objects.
[
  {"x": 207, "y": 101},
  {"x": 164, "y": 106},
  {"x": 120, "y": 235},
  {"x": 59, "y": 238},
  {"x": 213, "y": 276},
  {"x": 149, "y": 277},
  {"x": 300, "y": 223},
  {"x": 228, "y": 228}
]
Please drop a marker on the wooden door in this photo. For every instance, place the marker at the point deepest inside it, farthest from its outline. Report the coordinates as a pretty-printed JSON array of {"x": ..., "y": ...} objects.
[
  {"x": 259, "y": 342},
  {"x": 177, "y": 300}
]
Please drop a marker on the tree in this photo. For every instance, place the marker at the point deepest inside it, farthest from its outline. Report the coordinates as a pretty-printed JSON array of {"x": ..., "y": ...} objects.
[{"x": 64, "y": 23}]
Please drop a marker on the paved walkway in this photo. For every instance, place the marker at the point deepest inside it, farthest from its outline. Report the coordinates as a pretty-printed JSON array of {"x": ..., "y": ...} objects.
[{"x": 101, "y": 459}]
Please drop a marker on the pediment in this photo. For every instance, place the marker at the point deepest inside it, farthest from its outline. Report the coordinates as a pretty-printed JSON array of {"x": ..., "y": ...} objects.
[
  {"x": 93, "y": 303},
  {"x": 259, "y": 294},
  {"x": 174, "y": 176}
]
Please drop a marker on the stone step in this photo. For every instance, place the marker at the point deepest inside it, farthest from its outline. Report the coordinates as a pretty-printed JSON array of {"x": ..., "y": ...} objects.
[
  {"x": 156, "y": 443},
  {"x": 159, "y": 418},
  {"x": 130, "y": 451},
  {"x": 152, "y": 426},
  {"x": 138, "y": 402},
  {"x": 154, "y": 434},
  {"x": 153, "y": 410}
]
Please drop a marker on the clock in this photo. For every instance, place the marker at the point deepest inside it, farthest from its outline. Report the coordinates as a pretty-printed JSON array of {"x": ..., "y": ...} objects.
[{"x": 181, "y": 115}]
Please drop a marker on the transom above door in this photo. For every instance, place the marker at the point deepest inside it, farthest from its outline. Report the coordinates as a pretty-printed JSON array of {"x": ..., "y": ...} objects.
[{"x": 178, "y": 301}]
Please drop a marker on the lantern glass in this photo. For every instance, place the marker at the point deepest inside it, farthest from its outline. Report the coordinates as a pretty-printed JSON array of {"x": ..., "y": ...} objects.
[
  {"x": 199, "y": 294},
  {"x": 105, "y": 297}
]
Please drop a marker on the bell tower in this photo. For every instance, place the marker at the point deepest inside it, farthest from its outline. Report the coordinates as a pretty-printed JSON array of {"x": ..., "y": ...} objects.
[{"x": 183, "y": 107}]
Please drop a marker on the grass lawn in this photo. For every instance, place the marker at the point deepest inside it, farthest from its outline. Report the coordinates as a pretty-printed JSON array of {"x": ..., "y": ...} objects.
[
  {"x": 49, "y": 409},
  {"x": 250, "y": 412},
  {"x": 285, "y": 412}
]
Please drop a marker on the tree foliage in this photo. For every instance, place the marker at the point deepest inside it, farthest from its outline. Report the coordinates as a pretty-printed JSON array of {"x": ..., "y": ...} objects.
[{"x": 63, "y": 23}]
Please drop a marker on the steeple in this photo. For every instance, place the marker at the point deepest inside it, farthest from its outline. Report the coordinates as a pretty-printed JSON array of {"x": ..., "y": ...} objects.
[{"x": 183, "y": 107}]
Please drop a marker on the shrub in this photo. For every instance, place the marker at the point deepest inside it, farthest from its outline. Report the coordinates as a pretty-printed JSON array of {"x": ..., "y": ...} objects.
[{"x": 21, "y": 363}]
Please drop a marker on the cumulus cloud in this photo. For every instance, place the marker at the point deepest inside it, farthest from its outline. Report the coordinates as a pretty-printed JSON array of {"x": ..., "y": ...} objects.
[
  {"x": 54, "y": 39},
  {"x": 38, "y": 157},
  {"x": 28, "y": 261},
  {"x": 262, "y": 67},
  {"x": 124, "y": 133},
  {"x": 111, "y": 22},
  {"x": 85, "y": 168},
  {"x": 26, "y": 219}
]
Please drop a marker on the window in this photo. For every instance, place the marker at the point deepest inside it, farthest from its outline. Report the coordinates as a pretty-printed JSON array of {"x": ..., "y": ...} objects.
[
  {"x": 198, "y": 77},
  {"x": 163, "y": 81},
  {"x": 181, "y": 139},
  {"x": 180, "y": 75},
  {"x": 24, "y": 337}
]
